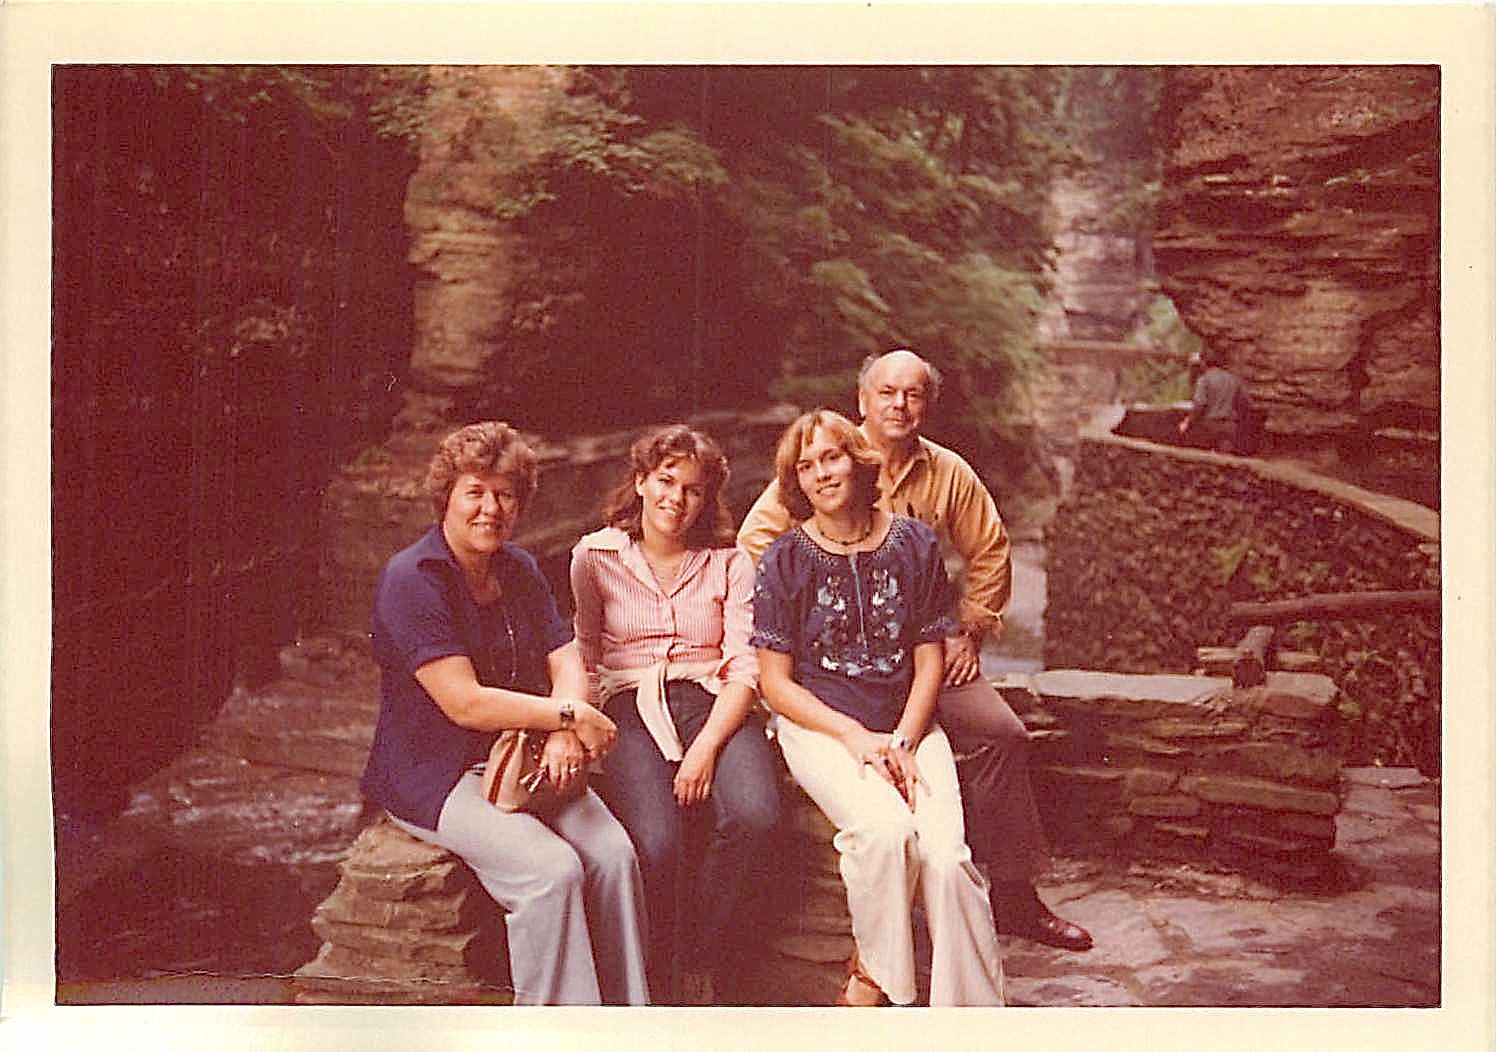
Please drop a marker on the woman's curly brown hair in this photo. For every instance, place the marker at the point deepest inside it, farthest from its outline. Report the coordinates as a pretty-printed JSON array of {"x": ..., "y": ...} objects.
[
  {"x": 866, "y": 464},
  {"x": 491, "y": 447},
  {"x": 624, "y": 507}
]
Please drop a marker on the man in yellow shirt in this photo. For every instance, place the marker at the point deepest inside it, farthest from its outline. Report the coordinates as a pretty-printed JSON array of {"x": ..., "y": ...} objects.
[{"x": 929, "y": 482}]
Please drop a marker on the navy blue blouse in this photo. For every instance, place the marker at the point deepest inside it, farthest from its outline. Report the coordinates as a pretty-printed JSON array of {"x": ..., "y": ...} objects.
[
  {"x": 423, "y": 611},
  {"x": 851, "y": 622}
]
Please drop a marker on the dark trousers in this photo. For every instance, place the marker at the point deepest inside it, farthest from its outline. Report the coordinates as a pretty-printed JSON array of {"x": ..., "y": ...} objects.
[
  {"x": 992, "y": 750},
  {"x": 690, "y": 913},
  {"x": 1217, "y": 435}
]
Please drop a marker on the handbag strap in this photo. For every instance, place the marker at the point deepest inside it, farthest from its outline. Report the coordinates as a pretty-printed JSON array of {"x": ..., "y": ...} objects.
[{"x": 511, "y": 743}]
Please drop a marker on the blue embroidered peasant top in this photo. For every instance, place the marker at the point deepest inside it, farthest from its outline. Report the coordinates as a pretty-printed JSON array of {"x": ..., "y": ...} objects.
[{"x": 851, "y": 622}]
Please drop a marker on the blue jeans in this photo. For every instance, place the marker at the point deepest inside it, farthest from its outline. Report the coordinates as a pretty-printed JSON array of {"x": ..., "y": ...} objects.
[{"x": 690, "y": 914}]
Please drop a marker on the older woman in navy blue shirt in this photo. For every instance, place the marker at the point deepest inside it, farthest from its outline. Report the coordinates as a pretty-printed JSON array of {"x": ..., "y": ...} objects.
[{"x": 469, "y": 643}]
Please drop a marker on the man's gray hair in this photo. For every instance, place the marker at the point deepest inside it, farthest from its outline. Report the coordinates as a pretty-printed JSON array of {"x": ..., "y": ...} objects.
[{"x": 932, "y": 384}]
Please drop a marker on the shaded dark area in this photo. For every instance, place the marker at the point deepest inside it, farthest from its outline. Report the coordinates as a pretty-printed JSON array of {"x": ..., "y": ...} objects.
[
  {"x": 183, "y": 912},
  {"x": 230, "y": 306}
]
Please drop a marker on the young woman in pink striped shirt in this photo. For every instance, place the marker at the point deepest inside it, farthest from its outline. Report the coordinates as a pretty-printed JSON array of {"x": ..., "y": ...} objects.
[{"x": 663, "y": 616}]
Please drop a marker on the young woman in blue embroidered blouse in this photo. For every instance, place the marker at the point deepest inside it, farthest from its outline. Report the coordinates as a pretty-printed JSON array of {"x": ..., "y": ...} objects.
[{"x": 851, "y": 608}]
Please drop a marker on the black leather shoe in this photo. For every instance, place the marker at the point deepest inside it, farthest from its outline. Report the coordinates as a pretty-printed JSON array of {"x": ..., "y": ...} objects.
[{"x": 1038, "y": 924}]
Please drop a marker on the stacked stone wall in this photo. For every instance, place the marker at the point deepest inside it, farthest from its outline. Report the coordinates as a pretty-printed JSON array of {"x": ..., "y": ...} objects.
[
  {"x": 1154, "y": 545},
  {"x": 377, "y": 505},
  {"x": 406, "y": 924},
  {"x": 1187, "y": 767}
]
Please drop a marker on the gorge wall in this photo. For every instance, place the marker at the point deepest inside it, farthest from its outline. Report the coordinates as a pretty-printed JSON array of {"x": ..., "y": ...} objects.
[
  {"x": 230, "y": 310},
  {"x": 1298, "y": 231},
  {"x": 478, "y": 130}
]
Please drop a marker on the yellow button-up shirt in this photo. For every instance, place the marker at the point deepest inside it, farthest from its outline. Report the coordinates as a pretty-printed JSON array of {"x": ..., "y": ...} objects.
[{"x": 940, "y": 489}]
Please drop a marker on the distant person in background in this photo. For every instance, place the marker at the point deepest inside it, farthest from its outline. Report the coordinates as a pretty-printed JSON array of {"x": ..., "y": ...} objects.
[
  {"x": 926, "y": 481},
  {"x": 1219, "y": 409},
  {"x": 469, "y": 643},
  {"x": 663, "y": 612}
]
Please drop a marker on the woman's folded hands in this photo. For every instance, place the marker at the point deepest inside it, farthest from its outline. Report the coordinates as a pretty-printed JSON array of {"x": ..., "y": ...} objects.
[
  {"x": 595, "y": 731},
  {"x": 888, "y": 756}
]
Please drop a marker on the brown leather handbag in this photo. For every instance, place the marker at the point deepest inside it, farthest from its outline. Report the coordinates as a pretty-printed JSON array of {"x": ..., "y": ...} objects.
[{"x": 513, "y": 779}]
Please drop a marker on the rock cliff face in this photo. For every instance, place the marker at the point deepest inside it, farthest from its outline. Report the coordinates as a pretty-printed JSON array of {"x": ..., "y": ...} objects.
[
  {"x": 478, "y": 131},
  {"x": 1298, "y": 232},
  {"x": 1102, "y": 270}
]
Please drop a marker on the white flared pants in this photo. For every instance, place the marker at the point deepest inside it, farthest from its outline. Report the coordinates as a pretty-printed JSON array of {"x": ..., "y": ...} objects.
[{"x": 889, "y": 854}]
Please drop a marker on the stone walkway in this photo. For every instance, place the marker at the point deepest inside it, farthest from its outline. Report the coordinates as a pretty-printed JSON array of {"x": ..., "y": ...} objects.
[{"x": 1175, "y": 935}]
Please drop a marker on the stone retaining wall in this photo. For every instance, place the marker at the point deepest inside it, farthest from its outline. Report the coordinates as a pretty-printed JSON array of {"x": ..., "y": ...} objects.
[
  {"x": 376, "y": 506},
  {"x": 1155, "y": 543},
  {"x": 1187, "y": 766}
]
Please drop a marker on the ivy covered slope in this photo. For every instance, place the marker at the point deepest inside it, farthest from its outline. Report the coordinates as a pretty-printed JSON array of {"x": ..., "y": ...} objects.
[
  {"x": 230, "y": 300},
  {"x": 710, "y": 236}
]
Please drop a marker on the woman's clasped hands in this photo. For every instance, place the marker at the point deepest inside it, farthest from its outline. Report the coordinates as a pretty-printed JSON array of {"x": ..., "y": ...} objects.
[
  {"x": 891, "y": 756},
  {"x": 570, "y": 749}
]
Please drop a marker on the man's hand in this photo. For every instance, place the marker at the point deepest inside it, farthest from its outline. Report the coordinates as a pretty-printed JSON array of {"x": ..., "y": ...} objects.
[{"x": 962, "y": 660}]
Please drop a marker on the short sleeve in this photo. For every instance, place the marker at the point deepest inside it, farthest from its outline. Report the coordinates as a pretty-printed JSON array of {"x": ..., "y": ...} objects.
[
  {"x": 931, "y": 620},
  {"x": 775, "y": 623},
  {"x": 414, "y": 619}
]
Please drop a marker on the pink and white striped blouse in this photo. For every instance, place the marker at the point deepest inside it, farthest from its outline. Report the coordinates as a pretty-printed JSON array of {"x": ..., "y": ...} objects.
[{"x": 625, "y": 620}]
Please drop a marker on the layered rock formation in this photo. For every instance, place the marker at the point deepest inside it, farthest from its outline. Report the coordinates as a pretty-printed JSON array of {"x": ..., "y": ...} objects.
[
  {"x": 480, "y": 127},
  {"x": 1102, "y": 266},
  {"x": 407, "y": 924},
  {"x": 1298, "y": 231}
]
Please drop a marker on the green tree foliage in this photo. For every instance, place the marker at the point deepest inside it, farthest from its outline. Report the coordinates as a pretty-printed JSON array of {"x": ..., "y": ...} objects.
[{"x": 706, "y": 236}]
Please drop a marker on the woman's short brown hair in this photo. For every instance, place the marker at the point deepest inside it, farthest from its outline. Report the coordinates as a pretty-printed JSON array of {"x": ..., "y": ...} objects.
[
  {"x": 491, "y": 447},
  {"x": 624, "y": 507},
  {"x": 866, "y": 463}
]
